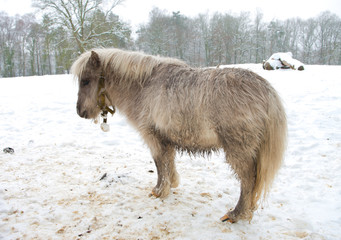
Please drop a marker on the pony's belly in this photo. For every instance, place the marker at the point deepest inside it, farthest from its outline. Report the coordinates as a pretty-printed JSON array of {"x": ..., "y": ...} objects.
[
  {"x": 202, "y": 138},
  {"x": 185, "y": 133},
  {"x": 208, "y": 137}
]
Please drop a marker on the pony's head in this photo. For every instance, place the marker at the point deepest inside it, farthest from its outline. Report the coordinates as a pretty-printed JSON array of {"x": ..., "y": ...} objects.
[
  {"x": 87, "y": 69},
  {"x": 125, "y": 69}
]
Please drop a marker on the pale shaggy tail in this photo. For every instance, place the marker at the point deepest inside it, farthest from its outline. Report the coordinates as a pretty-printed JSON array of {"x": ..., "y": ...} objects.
[{"x": 272, "y": 149}]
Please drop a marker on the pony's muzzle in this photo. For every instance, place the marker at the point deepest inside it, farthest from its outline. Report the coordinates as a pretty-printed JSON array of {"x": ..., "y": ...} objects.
[{"x": 81, "y": 113}]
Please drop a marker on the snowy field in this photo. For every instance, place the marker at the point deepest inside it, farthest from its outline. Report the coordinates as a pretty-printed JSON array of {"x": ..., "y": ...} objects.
[{"x": 69, "y": 180}]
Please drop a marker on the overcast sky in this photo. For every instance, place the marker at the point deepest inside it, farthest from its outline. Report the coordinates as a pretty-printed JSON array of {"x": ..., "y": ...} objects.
[{"x": 137, "y": 11}]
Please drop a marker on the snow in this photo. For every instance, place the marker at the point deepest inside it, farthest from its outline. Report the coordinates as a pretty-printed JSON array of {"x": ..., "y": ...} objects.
[{"x": 69, "y": 180}]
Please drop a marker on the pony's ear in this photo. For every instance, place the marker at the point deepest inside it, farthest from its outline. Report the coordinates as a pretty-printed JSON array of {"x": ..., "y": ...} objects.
[{"x": 94, "y": 60}]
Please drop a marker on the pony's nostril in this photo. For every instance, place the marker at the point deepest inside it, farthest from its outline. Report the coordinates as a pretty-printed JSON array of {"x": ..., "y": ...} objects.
[{"x": 84, "y": 114}]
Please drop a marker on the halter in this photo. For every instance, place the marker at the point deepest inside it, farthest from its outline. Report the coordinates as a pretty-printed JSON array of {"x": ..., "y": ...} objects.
[{"x": 101, "y": 95}]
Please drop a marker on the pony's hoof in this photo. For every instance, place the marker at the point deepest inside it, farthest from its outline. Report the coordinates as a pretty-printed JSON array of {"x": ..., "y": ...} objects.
[
  {"x": 160, "y": 192},
  {"x": 153, "y": 193},
  {"x": 226, "y": 218}
]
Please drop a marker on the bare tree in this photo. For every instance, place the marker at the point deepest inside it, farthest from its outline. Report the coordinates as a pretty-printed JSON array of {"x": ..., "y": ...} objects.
[
  {"x": 77, "y": 15},
  {"x": 155, "y": 37},
  {"x": 307, "y": 40},
  {"x": 8, "y": 40},
  {"x": 328, "y": 37}
]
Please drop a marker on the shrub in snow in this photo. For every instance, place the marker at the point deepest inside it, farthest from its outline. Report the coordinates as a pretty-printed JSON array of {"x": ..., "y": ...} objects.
[{"x": 282, "y": 61}]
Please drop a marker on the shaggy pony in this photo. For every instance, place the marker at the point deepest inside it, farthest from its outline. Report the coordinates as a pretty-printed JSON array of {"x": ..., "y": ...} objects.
[{"x": 198, "y": 110}]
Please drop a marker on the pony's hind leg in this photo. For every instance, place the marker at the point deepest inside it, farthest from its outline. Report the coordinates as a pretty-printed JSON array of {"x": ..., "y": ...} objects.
[{"x": 246, "y": 173}]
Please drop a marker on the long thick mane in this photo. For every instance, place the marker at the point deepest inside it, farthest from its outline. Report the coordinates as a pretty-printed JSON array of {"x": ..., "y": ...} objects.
[{"x": 130, "y": 66}]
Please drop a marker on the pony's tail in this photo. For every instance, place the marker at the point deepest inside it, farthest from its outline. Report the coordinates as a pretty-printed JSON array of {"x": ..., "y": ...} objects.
[{"x": 272, "y": 149}]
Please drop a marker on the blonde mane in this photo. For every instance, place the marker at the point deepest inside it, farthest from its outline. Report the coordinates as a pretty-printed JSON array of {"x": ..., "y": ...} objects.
[{"x": 130, "y": 66}]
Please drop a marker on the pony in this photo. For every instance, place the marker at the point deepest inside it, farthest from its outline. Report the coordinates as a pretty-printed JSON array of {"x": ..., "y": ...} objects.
[{"x": 175, "y": 107}]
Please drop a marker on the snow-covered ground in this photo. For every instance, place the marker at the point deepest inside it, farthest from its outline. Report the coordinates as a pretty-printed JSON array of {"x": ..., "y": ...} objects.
[{"x": 54, "y": 186}]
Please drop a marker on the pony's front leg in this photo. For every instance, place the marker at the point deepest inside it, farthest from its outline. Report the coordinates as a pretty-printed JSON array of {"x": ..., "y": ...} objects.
[
  {"x": 167, "y": 175},
  {"x": 163, "y": 155}
]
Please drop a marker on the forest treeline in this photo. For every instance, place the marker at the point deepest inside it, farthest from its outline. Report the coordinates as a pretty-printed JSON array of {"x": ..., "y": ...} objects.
[{"x": 29, "y": 46}]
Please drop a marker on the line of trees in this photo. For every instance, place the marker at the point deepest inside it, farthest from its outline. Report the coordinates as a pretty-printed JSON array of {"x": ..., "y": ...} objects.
[
  {"x": 230, "y": 39},
  {"x": 67, "y": 28}
]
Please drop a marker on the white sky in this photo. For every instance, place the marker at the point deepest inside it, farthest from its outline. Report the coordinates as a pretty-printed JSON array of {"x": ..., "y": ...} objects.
[{"x": 137, "y": 11}]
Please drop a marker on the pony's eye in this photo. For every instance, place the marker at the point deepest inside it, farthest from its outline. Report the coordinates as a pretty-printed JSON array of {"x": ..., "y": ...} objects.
[{"x": 85, "y": 82}]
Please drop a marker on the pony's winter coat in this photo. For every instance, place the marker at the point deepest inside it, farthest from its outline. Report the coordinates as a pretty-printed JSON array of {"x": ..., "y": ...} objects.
[{"x": 176, "y": 107}]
